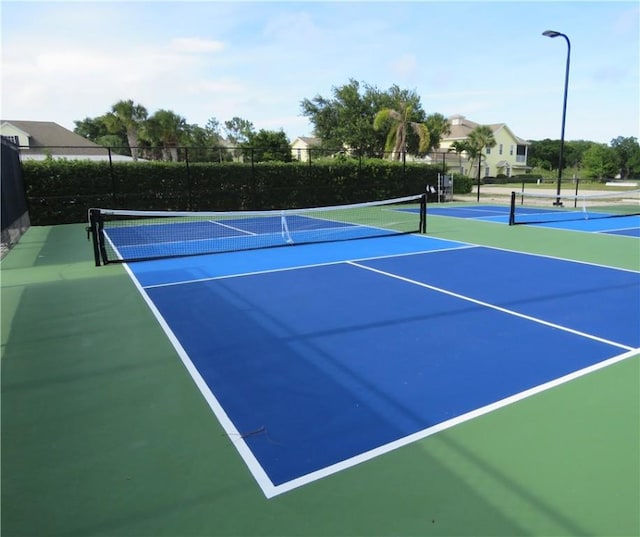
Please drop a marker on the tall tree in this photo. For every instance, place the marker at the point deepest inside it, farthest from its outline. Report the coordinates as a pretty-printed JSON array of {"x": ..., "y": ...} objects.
[
  {"x": 399, "y": 121},
  {"x": 167, "y": 129},
  {"x": 479, "y": 139},
  {"x": 459, "y": 147},
  {"x": 627, "y": 152},
  {"x": 600, "y": 162},
  {"x": 238, "y": 130},
  {"x": 267, "y": 146},
  {"x": 129, "y": 116},
  {"x": 438, "y": 127},
  {"x": 544, "y": 154},
  {"x": 346, "y": 120},
  {"x": 92, "y": 128}
]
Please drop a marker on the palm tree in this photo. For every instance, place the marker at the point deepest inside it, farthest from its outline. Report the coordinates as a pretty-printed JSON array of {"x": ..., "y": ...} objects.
[
  {"x": 167, "y": 129},
  {"x": 459, "y": 147},
  {"x": 479, "y": 138},
  {"x": 399, "y": 122},
  {"x": 128, "y": 116},
  {"x": 438, "y": 126}
]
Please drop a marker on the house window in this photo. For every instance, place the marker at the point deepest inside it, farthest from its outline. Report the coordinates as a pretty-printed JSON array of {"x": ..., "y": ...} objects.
[
  {"x": 488, "y": 150},
  {"x": 500, "y": 150},
  {"x": 511, "y": 150},
  {"x": 487, "y": 171},
  {"x": 12, "y": 139}
]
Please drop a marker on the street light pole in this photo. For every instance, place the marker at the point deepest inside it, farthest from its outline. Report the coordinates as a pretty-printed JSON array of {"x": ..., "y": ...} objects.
[{"x": 553, "y": 33}]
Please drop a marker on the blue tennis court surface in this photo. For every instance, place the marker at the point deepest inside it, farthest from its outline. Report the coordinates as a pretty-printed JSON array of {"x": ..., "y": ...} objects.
[
  {"x": 575, "y": 221},
  {"x": 490, "y": 213},
  {"x": 315, "y": 358}
]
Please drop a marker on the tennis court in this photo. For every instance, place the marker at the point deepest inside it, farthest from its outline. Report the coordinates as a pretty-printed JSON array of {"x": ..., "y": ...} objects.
[
  {"x": 477, "y": 379},
  {"x": 612, "y": 213}
]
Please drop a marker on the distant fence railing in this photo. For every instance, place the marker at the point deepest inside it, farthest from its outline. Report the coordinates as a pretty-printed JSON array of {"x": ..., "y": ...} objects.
[{"x": 245, "y": 154}]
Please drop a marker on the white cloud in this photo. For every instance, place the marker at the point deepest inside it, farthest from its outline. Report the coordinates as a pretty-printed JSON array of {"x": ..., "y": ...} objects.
[{"x": 260, "y": 60}]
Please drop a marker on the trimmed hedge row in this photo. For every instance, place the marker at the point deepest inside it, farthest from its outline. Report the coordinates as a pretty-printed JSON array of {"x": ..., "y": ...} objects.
[{"x": 62, "y": 191}]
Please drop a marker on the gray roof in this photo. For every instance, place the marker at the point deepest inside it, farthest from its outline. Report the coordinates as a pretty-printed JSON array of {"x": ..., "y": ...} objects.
[
  {"x": 50, "y": 138},
  {"x": 461, "y": 127}
]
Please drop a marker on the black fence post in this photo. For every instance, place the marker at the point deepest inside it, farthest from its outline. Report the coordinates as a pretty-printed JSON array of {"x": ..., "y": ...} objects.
[
  {"x": 113, "y": 178},
  {"x": 186, "y": 162}
]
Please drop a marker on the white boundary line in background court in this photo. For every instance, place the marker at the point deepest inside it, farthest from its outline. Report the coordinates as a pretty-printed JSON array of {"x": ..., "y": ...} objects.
[{"x": 269, "y": 489}]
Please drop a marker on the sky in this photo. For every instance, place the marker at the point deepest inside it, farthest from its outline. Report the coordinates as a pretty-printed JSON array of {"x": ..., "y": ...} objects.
[{"x": 68, "y": 61}]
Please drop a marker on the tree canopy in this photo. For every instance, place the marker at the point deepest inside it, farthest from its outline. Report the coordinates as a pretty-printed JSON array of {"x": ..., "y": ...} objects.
[{"x": 356, "y": 117}]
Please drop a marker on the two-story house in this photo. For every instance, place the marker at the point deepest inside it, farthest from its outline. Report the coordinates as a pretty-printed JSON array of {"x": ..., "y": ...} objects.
[{"x": 508, "y": 157}]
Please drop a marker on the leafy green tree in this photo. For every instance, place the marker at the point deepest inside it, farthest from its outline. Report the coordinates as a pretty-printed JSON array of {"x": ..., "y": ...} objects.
[
  {"x": 600, "y": 162},
  {"x": 92, "y": 128},
  {"x": 238, "y": 130},
  {"x": 544, "y": 154},
  {"x": 573, "y": 152},
  {"x": 130, "y": 117},
  {"x": 398, "y": 122},
  {"x": 268, "y": 146},
  {"x": 346, "y": 120},
  {"x": 113, "y": 141},
  {"x": 212, "y": 129},
  {"x": 627, "y": 151}
]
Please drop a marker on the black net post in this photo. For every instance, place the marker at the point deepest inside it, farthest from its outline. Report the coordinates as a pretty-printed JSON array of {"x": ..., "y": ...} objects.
[
  {"x": 423, "y": 213},
  {"x": 512, "y": 210},
  {"x": 96, "y": 231}
]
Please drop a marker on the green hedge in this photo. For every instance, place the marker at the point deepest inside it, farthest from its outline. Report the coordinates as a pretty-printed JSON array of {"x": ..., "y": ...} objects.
[{"x": 62, "y": 191}]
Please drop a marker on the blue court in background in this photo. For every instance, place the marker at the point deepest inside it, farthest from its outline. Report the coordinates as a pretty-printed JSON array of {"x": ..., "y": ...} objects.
[
  {"x": 317, "y": 355},
  {"x": 619, "y": 225}
]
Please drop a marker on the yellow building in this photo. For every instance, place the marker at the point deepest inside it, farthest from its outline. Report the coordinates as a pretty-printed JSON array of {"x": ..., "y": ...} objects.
[{"x": 508, "y": 157}]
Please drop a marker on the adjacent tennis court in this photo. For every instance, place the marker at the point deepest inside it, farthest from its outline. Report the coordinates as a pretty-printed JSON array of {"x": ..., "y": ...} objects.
[
  {"x": 613, "y": 213},
  {"x": 476, "y": 379}
]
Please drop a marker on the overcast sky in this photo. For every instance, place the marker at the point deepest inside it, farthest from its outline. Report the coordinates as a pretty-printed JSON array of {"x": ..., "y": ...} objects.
[{"x": 64, "y": 61}]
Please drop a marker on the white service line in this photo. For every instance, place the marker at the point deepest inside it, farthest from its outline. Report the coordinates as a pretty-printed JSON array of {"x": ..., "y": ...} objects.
[{"x": 494, "y": 307}]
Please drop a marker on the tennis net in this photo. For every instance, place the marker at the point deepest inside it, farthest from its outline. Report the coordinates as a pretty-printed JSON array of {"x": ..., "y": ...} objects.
[
  {"x": 539, "y": 208},
  {"x": 123, "y": 235}
]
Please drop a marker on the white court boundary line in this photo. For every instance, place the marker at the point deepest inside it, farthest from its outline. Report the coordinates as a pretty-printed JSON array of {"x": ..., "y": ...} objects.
[
  {"x": 419, "y": 435},
  {"x": 229, "y": 428},
  {"x": 259, "y": 474}
]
